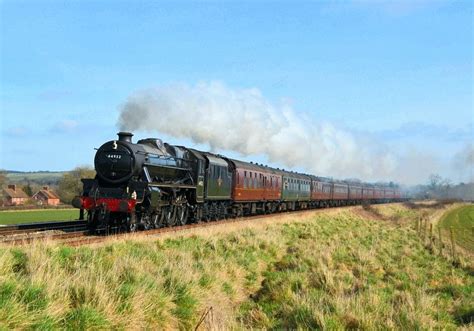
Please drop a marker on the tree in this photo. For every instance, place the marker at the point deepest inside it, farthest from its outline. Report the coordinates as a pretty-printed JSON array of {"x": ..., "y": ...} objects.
[
  {"x": 3, "y": 178},
  {"x": 445, "y": 186},
  {"x": 434, "y": 181},
  {"x": 28, "y": 189},
  {"x": 70, "y": 184}
]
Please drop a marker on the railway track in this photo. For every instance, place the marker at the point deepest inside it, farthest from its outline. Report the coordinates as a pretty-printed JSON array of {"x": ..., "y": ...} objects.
[
  {"x": 31, "y": 237},
  {"x": 43, "y": 226},
  {"x": 26, "y": 233}
]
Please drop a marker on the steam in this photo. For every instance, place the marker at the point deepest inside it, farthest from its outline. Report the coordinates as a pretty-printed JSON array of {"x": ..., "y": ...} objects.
[
  {"x": 463, "y": 163},
  {"x": 243, "y": 121}
]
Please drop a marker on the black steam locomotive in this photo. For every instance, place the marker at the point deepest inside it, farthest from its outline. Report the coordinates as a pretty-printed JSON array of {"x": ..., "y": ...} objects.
[
  {"x": 147, "y": 184},
  {"x": 151, "y": 184}
]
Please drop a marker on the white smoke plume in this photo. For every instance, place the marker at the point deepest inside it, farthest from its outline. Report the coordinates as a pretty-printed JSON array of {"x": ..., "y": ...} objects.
[{"x": 243, "y": 121}]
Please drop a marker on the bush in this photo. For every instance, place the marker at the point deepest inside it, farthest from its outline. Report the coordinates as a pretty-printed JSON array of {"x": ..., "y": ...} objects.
[{"x": 70, "y": 184}]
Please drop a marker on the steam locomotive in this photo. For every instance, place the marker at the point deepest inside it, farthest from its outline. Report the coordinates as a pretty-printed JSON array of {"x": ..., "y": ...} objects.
[{"x": 151, "y": 184}]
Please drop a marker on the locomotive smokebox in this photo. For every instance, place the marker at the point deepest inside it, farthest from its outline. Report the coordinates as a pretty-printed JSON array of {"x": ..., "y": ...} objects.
[{"x": 125, "y": 136}]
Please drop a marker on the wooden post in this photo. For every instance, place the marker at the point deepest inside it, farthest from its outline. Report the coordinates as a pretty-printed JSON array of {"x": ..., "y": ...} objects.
[
  {"x": 440, "y": 241},
  {"x": 453, "y": 247},
  {"x": 431, "y": 235},
  {"x": 424, "y": 230}
]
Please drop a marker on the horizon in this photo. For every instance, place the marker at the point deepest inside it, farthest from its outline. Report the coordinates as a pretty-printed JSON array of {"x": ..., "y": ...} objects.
[{"x": 389, "y": 82}]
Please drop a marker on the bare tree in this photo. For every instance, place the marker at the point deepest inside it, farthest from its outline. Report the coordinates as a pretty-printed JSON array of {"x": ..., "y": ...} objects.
[{"x": 434, "y": 181}]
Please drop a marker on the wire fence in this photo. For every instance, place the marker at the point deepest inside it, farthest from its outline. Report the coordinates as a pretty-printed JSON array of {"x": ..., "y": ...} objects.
[{"x": 442, "y": 242}]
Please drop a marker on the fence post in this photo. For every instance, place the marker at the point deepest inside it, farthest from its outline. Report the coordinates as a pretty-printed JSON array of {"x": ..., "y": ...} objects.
[
  {"x": 440, "y": 241},
  {"x": 421, "y": 229},
  {"x": 425, "y": 224},
  {"x": 452, "y": 243},
  {"x": 431, "y": 235}
]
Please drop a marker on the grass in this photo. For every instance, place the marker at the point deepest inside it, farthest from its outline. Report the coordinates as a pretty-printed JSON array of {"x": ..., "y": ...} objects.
[
  {"x": 331, "y": 270},
  {"x": 461, "y": 221},
  {"x": 42, "y": 215}
]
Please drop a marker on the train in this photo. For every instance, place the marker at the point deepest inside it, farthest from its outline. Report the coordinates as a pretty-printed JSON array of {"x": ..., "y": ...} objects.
[{"x": 151, "y": 184}]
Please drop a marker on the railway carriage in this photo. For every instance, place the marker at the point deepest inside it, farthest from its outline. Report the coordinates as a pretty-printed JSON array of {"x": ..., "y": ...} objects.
[
  {"x": 367, "y": 193},
  {"x": 321, "y": 191},
  {"x": 340, "y": 193},
  {"x": 255, "y": 188},
  {"x": 355, "y": 194},
  {"x": 296, "y": 191},
  {"x": 379, "y": 194}
]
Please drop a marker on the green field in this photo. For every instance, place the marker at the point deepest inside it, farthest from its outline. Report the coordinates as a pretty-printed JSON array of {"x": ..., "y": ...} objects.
[
  {"x": 41, "y": 215},
  {"x": 461, "y": 220}
]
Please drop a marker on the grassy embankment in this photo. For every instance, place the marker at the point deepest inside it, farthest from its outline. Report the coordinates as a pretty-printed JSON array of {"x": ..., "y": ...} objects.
[
  {"x": 338, "y": 269},
  {"x": 37, "y": 215},
  {"x": 461, "y": 221}
]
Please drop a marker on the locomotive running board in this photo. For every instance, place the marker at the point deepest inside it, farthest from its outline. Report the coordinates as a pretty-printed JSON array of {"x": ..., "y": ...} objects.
[{"x": 173, "y": 186}]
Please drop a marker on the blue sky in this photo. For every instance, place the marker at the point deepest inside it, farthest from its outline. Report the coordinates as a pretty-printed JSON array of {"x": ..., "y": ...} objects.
[{"x": 400, "y": 72}]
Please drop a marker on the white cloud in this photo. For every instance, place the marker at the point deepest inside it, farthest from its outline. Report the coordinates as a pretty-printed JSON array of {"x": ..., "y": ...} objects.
[{"x": 65, "y": 126}]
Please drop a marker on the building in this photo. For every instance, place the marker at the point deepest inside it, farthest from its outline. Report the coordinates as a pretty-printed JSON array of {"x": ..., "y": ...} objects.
[
  {"x": 46, "y": 197},
  {"x": 14, "y": 195}
]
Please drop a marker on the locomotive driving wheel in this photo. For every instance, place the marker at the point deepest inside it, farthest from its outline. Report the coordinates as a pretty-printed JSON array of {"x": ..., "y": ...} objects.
[
  {"x": 206, "y": 213},
  {"x": 181, "y": 214},
  {"x": 156, "y": 218},
  {"x": 170, "y": 215},
  {"x": 132, "y": 224},
  {"x": 147, "y": 222}
]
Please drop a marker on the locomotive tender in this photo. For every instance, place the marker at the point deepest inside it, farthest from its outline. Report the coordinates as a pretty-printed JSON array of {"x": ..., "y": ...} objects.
[{"x": 151, "y": 184}]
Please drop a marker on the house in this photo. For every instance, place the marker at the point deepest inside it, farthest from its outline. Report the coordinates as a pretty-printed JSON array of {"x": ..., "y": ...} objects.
[
  {"x": 46, "y": 197},
  {"x": 14, "y": 195}
]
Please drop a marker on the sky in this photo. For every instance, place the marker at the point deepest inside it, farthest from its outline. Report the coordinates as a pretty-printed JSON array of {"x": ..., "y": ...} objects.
[{"x": 396, "y": 74}]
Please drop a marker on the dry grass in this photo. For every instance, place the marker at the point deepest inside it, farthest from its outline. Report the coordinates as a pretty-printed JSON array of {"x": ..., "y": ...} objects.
[{"x": 337, "y": 269}]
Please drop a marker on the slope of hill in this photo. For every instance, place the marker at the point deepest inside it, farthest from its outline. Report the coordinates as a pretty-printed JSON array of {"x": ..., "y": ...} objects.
[
  {"x": 36, "y": 177},
  {"x": 344, "y": 268}
]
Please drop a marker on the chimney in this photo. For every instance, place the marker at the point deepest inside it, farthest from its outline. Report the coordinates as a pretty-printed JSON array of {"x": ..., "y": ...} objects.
[
  {"x": 45, "y": 188},
  {"x": 125, "y": 136},
  {"x": 12, "y": 186}
]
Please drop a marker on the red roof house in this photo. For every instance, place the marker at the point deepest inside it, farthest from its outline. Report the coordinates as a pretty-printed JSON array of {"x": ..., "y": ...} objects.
[
  {"x": 13, "y": 196},
  {"x": 46, "y": 197}
]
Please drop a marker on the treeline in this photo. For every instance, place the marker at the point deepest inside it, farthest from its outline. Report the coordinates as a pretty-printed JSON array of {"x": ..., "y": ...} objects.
[{"x": 442, "y": 188}]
